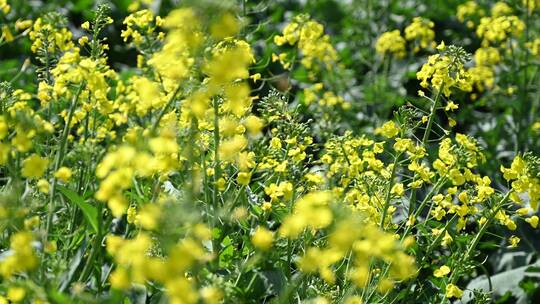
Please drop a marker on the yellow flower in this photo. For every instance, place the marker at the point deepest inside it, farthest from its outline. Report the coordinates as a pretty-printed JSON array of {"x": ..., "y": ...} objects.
[
  {"x": 262, "y": 238},
  {"x": 463, "y": 197},
  {"x": 443, "y": 71},
  {"x": 246, "y": 161},
  {"x": 230, "y": 148},
  {"x": 420, "y": 31},
  {"x": 118, "y": 205},
  {"x": 253, "y": 125},
  {"x": 523, "y": 211},
  {"x": 441, "y": 271},
  {"x": 385, "y": 285},
  {"x": 34, "y": 166},
  {"x": 487, "y": 56},
  {"x": 119, "y": 279},
  {"x": 312, "y": 43},
  {"x": 63, "y": 174},
  {"x": 497, "y": 29},
  {"x": 16, "y": 294},
  {"x": 311, "y": 210},
  {"x": 447, "y": 239},
  {"x": 451, "y": 106},
  {"x": 211, "y": 295},
  {"x": 148, "y": 216},
  {"x": 221, "y": 184},
  {"x": 83, "y": 40},
  {"x": 469, "y": 8},
  {"x": 533, "y": 221},
  {"x": 6, "y": 34},
  {"x": 50, "y": 247},
  {"x": 391, "y": 43},
  {"x": 410, "y": 221},
  {"x": 131, "y": 214},
  {"x": 243, "y": 178},
  {"x": 388, "y": 129},
  {"x": 22, "y": 258},
  {"x": 85, "y": 25},
  {"x": 4, "y": 7},
  {"x": 397, "y": 189},
  {"x": 354, "y": 300},
  {"x": 227, "y": 25},
  {"x": 500, "y": 9},
  {"x": 43, "y": 186},
  {"x": 266, "y": 206},
  {"x": 255, "y": 77},
  {"x": 21, "y": 25},
  {"x": 452, "y": 291},
  {"x": 441, "y": 46},
  {"x": 514, "y": 241}
]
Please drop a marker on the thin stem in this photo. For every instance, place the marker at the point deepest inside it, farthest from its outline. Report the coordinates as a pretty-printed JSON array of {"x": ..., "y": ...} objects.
[
  {"x": 425, "y": 138},
  {"x": 60, "y": 155},
  {"x": 217, "y": 172},
  {"x": 454, "y": 277},
  {"x": 523, "y": 122},
  {"x": 423, "y": 204},
  {"x": 389, "y": 190},
  {"x": 217, "y": 165},
  {"x": 432, "y": 115},
  {"x": 165, "y": 108}
]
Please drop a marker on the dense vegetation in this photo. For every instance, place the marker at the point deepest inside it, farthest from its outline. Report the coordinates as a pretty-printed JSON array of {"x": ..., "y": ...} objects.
[{"x": 269, "y": 151}]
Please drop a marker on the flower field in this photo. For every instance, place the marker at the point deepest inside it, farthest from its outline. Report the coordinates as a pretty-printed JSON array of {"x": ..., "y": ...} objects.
[{"x": 288, "y": 151}]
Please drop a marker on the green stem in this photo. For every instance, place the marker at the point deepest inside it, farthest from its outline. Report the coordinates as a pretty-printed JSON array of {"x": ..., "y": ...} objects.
[
  {"x": 216, "y": 243},
  {"x": 217, "y": 165},
  {"x": 165, "y": 108},
  {"x": 454, "y": 277},
  {"x": 523, "y": 122},
  {"x": 432, "y": 115},
  {"x": 60, "y": 155},
  {"x": 389, "y": 190},
  {"x": 423, "y": 204},
  {"x": 425, "y": 138}
]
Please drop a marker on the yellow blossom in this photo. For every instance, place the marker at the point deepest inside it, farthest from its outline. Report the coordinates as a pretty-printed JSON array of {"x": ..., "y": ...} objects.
[
  {"x": 452, "y": 291},
  {"x": 533, "y": 221},
  {"x": 441, "y": 271},
  {"x": 43, "y": 186},
  {"x": 388, "y": 129},
  {"x": 63, "y": 174},
  {"x": 243, "y": 178},
  {"x": 262, "y": 238},
  {"x": 16, "y": 294},
  {"x": 514, "y": 241},
  {"x": 391, "y": 43},
  {"x": 34, "y": 166}
]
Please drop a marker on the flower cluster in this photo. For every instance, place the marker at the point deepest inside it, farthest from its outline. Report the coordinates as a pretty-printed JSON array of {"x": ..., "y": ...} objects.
[
  {"x": 496, "y": 30},
  {"x": 421, "y": 32},
  {"x": 351, "y": 234},
  {"x": 446, "y": 70},
  {"x": 391, "y": 43},
  {"x": 186, "y": 176},
  {"x": 311, "y": 40}
]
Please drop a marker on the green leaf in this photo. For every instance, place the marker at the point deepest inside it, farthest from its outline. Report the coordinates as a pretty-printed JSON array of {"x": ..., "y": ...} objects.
[{"x": 90, "y": 212}]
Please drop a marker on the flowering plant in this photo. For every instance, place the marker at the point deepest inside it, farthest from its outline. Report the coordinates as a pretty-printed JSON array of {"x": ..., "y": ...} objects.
[{"x": 229, "y": 163}]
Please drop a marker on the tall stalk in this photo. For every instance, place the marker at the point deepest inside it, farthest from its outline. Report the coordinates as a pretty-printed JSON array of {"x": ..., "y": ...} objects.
[{"x": 60, "y": 156}]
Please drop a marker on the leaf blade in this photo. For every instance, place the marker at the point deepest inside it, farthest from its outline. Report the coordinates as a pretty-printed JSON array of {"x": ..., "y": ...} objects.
[{"x": 90, "y": 212}]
